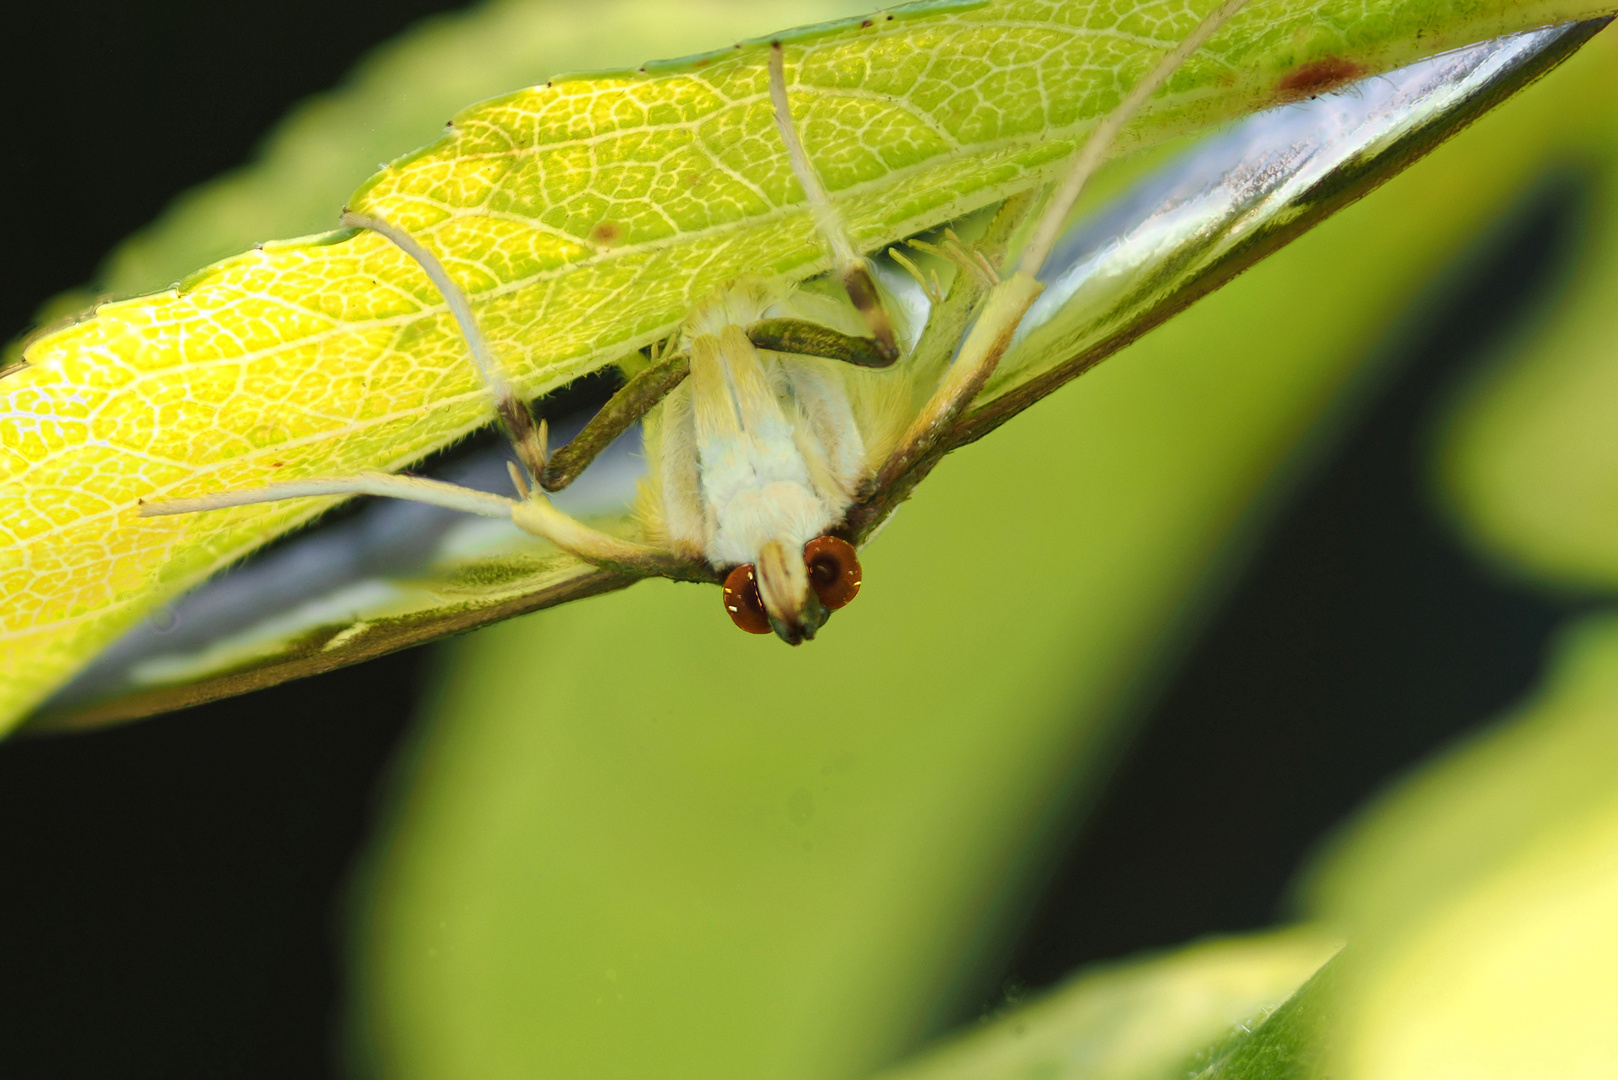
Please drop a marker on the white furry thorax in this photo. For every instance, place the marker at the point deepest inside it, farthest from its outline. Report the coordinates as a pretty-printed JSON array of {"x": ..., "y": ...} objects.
[{"x": 755, "y": 446}]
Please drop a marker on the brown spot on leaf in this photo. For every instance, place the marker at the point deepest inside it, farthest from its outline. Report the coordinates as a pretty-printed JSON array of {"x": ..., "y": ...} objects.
[
  {"x": 1318, "y": 77},
  {"x": 866, "y": 24},
  {"x": 607, "y": 234}
]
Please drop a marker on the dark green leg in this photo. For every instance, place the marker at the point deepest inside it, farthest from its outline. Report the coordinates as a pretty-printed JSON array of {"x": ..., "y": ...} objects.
[
  {"x": 812, "y": 339},
  {"x": 628, "y": 405},
  {"x": 850, "y": 265}
]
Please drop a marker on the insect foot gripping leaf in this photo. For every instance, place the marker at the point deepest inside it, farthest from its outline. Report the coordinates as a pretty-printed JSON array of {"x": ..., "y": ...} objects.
[{"x": 764, "y": 462}]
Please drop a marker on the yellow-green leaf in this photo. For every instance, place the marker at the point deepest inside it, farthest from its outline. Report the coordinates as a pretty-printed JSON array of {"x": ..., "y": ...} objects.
[
  {"x": 1479, "y": 895},
  {"x": 1152, "y": 1019},
  {"x": 332, "y": 354},
  {"x": 1531, "y": 463},
  {"x": 397, "y": 99},
  {"x": 1259, "y": 185}
]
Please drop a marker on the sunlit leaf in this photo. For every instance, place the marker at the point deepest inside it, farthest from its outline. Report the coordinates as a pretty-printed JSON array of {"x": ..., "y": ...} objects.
[
  {"x": 331, "y": 354},
  {"x": 1197, "y": 221},
  {"x": 397, "y": 99},
  {"x": 1479, "y": 896}
]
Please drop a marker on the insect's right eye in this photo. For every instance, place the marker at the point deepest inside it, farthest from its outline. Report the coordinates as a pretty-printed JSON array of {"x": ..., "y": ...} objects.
[
  {"x": 742, "y": 601},
  {"x": 834, "y": 570}
]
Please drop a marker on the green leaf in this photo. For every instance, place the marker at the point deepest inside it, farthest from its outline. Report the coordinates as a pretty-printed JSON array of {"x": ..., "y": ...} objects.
[
  {"x": 1290, "y": 1044},
  {"x": 1479, "y": 895},
  {"x": 1259, "y": 193},
  {"x": 332, "y": 354},
  {"x": 1257, "y": 187},
  {"x": 397, "y": 99},
  {"x": 1487, "y": 802},
  {"x": 1531, "y": 461},
  {"x": 1201, "y": 1011}
]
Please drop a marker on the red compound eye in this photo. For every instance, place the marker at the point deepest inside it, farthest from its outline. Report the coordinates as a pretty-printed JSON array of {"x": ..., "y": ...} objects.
[
  {"x": 834, "y": 570},
  {"x": 742, "y": 601}
]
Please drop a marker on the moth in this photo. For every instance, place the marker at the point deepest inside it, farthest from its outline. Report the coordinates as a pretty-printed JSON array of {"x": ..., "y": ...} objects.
[{"x": 778, "y": 434}]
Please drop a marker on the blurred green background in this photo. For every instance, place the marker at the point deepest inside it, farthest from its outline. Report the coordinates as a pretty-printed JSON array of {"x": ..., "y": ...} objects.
[{"x": 623, "y": 840}]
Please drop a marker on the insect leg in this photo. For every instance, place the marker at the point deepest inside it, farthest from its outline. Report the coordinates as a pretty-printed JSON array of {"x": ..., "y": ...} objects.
[
  {"x": 851, "y": 266},
  {"x": 534, "y": 513},
  {"x": 805, "y": 338},
  {"x": 633, "y": 401},
  {"x": 413, "y": 488},
  {"x": 513, "y": 412},
  {"x": 1106, "y": 133},
  {"x": 1009, "y": 300}
]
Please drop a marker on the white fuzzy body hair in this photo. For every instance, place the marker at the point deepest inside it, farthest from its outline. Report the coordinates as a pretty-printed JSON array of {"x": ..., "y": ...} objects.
[{"x": 757, "y": 446}]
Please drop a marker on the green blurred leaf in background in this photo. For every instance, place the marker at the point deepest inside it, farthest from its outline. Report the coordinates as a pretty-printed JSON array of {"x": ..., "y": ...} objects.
[
  {"x": 1193, "y": 1012},
  {"x": 1481, "y": 896}
]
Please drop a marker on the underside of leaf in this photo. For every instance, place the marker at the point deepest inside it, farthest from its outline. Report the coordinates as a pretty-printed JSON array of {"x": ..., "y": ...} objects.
[{"x": 584, "y": 217}]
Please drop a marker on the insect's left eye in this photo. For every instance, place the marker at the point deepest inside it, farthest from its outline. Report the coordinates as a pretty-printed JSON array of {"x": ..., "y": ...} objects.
[
  {"x": 834, "y": 570},
  {"x": 742, "y": 602}
]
